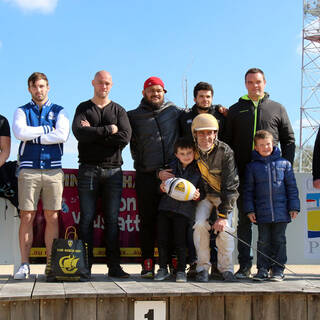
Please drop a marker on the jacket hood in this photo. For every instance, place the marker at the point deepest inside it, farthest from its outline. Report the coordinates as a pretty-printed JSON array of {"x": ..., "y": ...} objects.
[
  {"x": 210, "y": 109},
  {"x": 144, "y": 104},
  {"x": 276, "y": 154}
]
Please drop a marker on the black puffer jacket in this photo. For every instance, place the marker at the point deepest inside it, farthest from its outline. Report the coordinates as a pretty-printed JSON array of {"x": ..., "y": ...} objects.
[
  {"x": 154, "y": 132},
  {"x": 187, "y": 117},
  {"x": 271, "y": 116}
]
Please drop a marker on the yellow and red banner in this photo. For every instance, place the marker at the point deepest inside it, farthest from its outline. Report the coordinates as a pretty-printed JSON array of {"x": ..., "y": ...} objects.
[{"x": 70, "y": 216}]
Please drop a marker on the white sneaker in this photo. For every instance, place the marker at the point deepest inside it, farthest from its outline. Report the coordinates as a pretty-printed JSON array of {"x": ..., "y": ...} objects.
[{"x": 23, "y": 272}]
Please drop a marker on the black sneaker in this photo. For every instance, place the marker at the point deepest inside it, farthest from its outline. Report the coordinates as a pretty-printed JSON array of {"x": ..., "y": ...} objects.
[
  {"x": 243, "y": 273},
  {"x": 228, "y": 276},
  {"x": 162, "y": 274},
  {"x": 192, "y": 271},
  {"x": 202, "y": 276},
  {"x": 262, "y": 275},
  {"x": 147, "y": 269},
  {"x": 277, "y": 276},
  {"x": 117, "y": 272}
]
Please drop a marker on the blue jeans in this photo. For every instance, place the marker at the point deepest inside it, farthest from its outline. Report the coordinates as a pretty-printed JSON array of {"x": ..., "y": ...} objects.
[
  {"x": 272, "y": 242},
  {"x": 94, "y": 181}
]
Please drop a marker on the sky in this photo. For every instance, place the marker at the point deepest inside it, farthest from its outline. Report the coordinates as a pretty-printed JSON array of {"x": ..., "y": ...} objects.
[{"x": 204, "y": 40}]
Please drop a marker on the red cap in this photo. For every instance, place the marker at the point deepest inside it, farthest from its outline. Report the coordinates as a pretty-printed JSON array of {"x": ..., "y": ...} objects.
[{"x": 153, "y": 81}]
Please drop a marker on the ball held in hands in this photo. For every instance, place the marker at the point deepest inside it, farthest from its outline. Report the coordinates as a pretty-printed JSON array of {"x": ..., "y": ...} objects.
[{"x": 179, "y": 189}]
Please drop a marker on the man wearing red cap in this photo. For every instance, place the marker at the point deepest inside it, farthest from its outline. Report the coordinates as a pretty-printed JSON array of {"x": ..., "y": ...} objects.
[{"x": 155, "y": 128}]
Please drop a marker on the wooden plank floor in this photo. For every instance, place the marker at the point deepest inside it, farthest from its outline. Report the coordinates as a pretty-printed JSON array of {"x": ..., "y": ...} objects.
[{"x": 101, "y": 286}]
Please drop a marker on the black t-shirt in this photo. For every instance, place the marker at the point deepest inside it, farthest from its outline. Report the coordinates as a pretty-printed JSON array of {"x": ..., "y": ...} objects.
[{"x": 4, "y": 127}]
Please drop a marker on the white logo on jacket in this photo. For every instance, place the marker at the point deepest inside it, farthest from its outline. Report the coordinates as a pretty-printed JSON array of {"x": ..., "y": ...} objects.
[{"x": 51, "y": 115}]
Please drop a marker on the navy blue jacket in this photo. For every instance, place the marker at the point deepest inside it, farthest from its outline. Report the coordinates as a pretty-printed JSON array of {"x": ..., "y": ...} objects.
[
  {"x": 270, "y": 189},
  {"x": 192, "y": 174}
]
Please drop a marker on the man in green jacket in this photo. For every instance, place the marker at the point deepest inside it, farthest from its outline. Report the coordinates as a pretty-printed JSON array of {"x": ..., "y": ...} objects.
[{"x": 254, "y": 111}]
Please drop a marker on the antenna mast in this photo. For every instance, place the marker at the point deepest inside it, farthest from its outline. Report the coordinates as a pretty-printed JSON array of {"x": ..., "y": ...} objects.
[{"x": 310, "y": 79}]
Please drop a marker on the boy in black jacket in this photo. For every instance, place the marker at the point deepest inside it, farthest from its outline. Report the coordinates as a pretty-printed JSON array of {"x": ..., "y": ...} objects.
[{"x": 175, "y": 216}]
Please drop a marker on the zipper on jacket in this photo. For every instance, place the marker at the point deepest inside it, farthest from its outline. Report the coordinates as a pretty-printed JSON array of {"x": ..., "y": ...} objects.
[
  {"x": 255, "y": 123},
  {"x": 270, "y": 191},
  {"x": 163, "y": 147}
]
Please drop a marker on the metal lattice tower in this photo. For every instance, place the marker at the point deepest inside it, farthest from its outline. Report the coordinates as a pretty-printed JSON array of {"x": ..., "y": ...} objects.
[{"x": 310, "y": 81}]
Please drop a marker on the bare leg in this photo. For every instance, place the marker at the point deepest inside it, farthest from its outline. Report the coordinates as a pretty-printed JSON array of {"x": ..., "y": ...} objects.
[
  {"x": 26, "y": 234},
  {"x": 52, "y": 229}
]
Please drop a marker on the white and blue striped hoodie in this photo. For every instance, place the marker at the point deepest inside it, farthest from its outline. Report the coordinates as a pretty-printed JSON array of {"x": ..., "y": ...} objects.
[{"x": 42, "y": 135}]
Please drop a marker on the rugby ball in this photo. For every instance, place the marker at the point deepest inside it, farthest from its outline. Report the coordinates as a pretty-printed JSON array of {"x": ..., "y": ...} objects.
[{"x": 179, "y": 189}]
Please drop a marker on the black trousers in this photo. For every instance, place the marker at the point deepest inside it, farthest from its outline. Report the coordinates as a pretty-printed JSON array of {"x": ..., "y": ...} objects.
[
  {"x": 172, "y": 229},
  {"x": 148, "y": 195}
]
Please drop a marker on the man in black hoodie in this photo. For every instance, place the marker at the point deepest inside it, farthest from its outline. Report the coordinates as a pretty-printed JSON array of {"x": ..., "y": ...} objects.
[
  {"x": 254, "y": 111},
  {"x": 203, "y": 96},
  {"x": 155, "y": 129}
]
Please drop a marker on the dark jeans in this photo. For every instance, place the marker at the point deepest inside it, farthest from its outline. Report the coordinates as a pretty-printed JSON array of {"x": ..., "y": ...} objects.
[
  {"x": 172, "y": 229},
  {"x": 94, "y": 181},
  {"x": 148, "y": 196},
  {"x": 272, "y": 242},
  {"x": 244, "y": 232}
]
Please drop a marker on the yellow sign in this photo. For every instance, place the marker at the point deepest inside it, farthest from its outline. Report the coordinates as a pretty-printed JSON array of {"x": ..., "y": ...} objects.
[{"x": 97, "y": 252}]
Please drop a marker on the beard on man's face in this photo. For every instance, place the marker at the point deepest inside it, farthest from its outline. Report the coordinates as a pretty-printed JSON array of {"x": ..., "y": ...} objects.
[
  {"x": 154, "y": 104},
  {"x": 203, "y": 108}
]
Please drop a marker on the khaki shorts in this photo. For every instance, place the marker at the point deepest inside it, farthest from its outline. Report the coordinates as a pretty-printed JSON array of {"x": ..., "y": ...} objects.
[{"x": 34, "y": 184}]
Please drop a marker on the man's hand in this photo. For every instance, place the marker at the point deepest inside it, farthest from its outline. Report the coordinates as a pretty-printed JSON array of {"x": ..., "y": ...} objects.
[
  {"x": 196, "y": 195},
  {"x": 114, "y": 128},
  {"x": 165, "y": 174},
  {"x": 252, "y": 217},
  {"x": 316, "y": 183},
  {"x": 85, "y": 123},
  {"x": 220, "y": 224},
  {"x": 293, "y": 214},
  {"x": 223, "y": 111}
]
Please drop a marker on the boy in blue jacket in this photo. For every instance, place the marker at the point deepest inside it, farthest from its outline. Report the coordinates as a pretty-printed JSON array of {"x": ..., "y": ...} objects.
[
  {"x": 175, "y": 216},
  {"x": 270, "y": 200}
]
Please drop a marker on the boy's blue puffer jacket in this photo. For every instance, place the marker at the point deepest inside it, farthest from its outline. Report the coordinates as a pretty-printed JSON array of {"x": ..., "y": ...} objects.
[{"x": 270, "y": 189}]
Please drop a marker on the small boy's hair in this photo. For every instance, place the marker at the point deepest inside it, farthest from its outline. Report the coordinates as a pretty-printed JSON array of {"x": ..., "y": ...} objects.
[
  {"x": 184, "y": 143},
  {"x": 262, "y": 134}
]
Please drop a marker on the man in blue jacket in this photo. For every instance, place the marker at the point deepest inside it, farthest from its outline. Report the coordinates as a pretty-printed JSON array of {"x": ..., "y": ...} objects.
[{"x": 42, "y": 127}]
